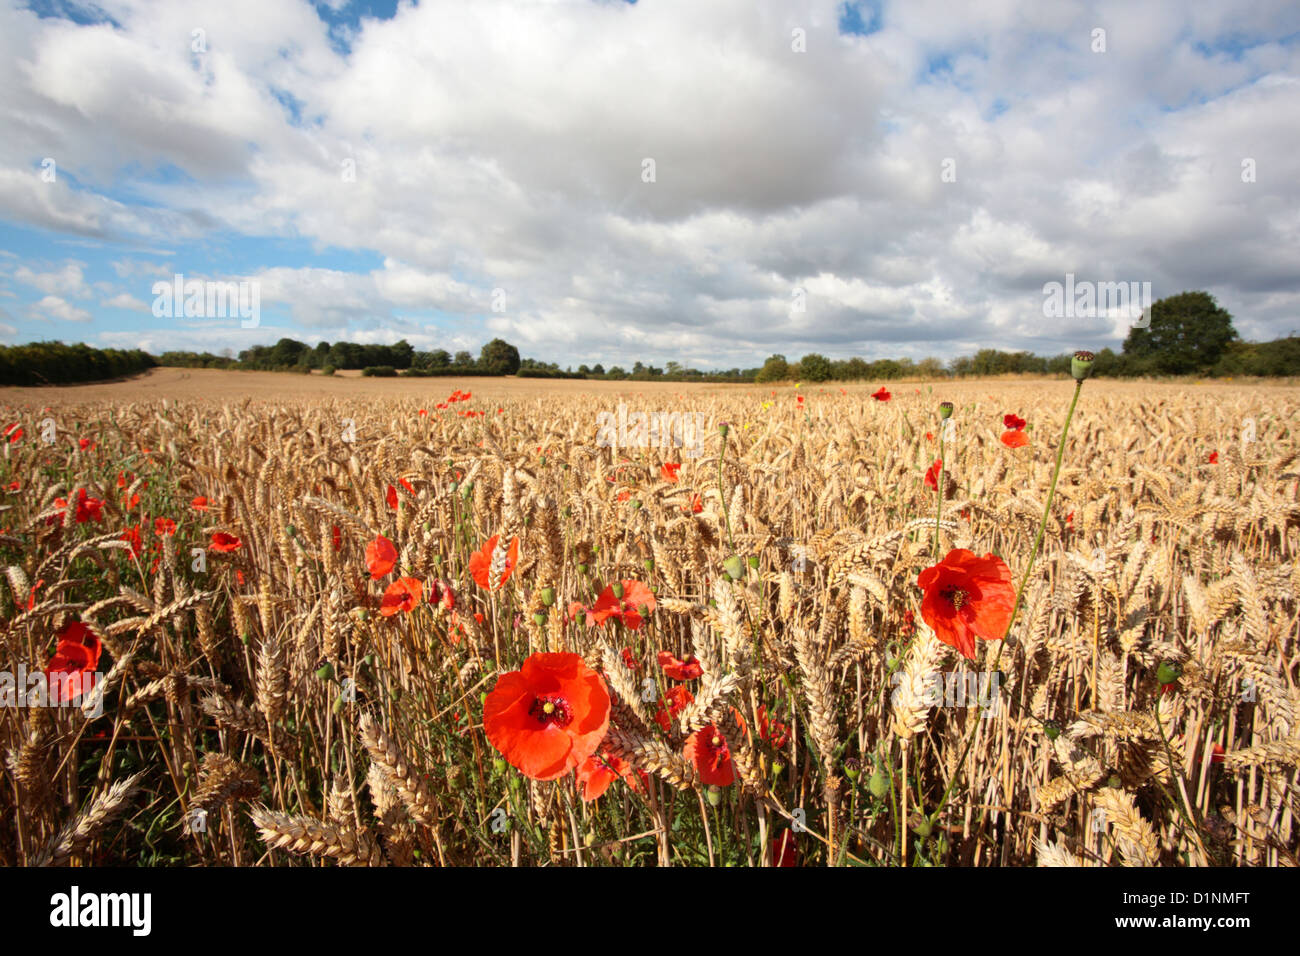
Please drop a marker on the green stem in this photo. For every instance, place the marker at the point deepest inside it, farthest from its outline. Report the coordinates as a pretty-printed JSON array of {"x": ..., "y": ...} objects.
[
  {"x": 938, "y": 510},
  {"x": 1020, "y": 591}
]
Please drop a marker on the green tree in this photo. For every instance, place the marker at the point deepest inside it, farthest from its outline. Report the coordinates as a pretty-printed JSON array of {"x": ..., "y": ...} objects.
[
  {"x": 814, "y": 367},
  {"x": 775, "y": 369},
  {"x": 1188, "y": 333},
  {"x": 499, "y": 357}
]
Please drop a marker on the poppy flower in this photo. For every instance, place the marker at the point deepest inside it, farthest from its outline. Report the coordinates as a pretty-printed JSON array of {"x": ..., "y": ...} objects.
[
  {"x": 77, "y": 652},
  {"x": 14, "y": 485},
  {"x": 1013, "y": 422},
  {"x": 391, "y": 498},
  {"x": 966, "y": 597},
  {"x": 482, "y": 561},
  {"x": 404, "y": 594},
  {"x": 696, "y": 505},
  {"x": 636, "y": 597},
  {"x": 124, "y": 478},
  {"x": 336, "y": 537},
  {"x": 773, "y": 731},
  {"x": 707, "y": 750},
  {"x": 86, "y": 444},
  {"x": 799, "y": 399},
  {"x": 1015, "y": 439},
  {"x": 381, "y": 556},
  {"x": 671, "y": 704},
  {"x": 630, "y": 660},
  {"x": 549, "y": 716},
  {"x": 424, "y": 412},
  {"x": 163, "y": 527},
  {"x": 1214, "y": 458},
  {"x": 624, "y": 495},
  {"x": 688, "y": 669},
  {"x": 132, "y": 536},
  {"x": 600, "y": 770},
  {"x": 14, "y": 432},
  {"x": 932, "y": 475},
  {"x": 200, "y": 503},
  {"x": 881, "y": 394},
  {"x": 225, "y": 543},
  {"x": 783, "y": 852},
  {"x": 669, "y": 470},
  {"x": 929, "y": 436}
]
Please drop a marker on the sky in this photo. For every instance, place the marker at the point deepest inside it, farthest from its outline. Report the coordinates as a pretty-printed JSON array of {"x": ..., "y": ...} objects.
[{"x": 603, "y": 181}]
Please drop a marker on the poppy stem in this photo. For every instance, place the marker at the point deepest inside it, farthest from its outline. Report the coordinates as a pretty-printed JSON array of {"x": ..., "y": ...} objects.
[
  {"x": 1020, "y": 591},
  {"x": 938, "y": 509}
]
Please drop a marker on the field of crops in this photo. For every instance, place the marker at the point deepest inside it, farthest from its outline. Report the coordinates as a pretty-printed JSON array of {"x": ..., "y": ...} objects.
[{"x": 491, "y": 622}]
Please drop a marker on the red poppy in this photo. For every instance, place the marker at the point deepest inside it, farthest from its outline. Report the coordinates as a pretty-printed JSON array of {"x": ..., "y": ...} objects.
[
  {"x": 783, "y": 852},
  {"x": 775, "y": 732},
  {"x": 881, "y": 394},
  {"x": 624, "y": 495},
  {"x": 630, "y": 660},
  {"x": 669, "y": 470},
  {"x": 1214, "y": 458},
  {"x": 1069, "y": 519},
  {"x": 966, "y": 597},
  {"x": 932, "y": 475},
  {"x": 1013, "y": 422},
  {"x": 200, "y": 503},
  {"x": 481, "y": 561},
  {"x": 391, "y": 497},
  {"x": 672, "y": 704},
  {"x": 441, "y": 594},
  {"x": 636, "y": 598},
  {"x": 381, "y": 556},
  {"x": 600, "y": 770},
  {"x": 86, "y": 444},
  {"x": 123, "y": 479},
  {"x": 929, "y": 436},
  {"x": 404, "y": 594},
  {"x": 336, "y": 537},
  {"x": 77, "y": 652},
  {"x": 549, "y": 716},
  {"x": 225, "y": 543},
  {"x": 132, "y": 536},
  {"x": 14, "y": 432},
  {"x": 1015, "y": 439},
  {"x": 707, "y": 750},
  {"x": 14, "y": 485},
  {"x": 164, "y": 527},
  {"x": 424, "y": 412},
  {"x": 799, "y": 399},
  {"x": 688, "y": 669}
]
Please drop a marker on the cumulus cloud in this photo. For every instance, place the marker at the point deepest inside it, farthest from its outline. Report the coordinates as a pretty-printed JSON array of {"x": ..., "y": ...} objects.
[
  {"x": 54, "y": 307},
  {"x": 607, "y": 182}
]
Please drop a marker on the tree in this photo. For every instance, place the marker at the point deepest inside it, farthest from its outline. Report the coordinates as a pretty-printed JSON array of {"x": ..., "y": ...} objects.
[
  {"x": 1188, "y": 333},
  {"x": 598, "y": 369},
  {"x": 814, "y": 367},
  {"x": 499, "y": 357},
  {"x": 463, "y": 360},
  {"x": 775, "y": 369}
]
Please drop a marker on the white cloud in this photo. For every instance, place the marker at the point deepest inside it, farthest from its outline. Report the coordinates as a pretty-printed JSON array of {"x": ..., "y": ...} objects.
[{"x": 52, "y": 306}]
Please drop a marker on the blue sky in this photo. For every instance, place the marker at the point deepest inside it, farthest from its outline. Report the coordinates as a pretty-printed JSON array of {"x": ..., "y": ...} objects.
[{"x": 665, "y": 180}]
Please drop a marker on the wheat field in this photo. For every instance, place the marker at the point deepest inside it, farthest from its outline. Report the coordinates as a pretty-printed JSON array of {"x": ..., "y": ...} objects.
[{"x": 260, "y": 707}]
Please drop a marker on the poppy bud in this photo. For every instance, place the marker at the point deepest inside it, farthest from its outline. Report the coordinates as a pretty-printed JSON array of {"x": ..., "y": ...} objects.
[
  {"x": 1169, "y": 671},
  {"x": 539, "y": 618},
  {"x": 566, "y": 511},
  {"x": 753, "y": 561},
  {"x": 326, "y": 671},
  {"x": 924, "y": 828},
  {"x": 878, "y": 784},
  {"x": 426, "y": 527},
  {"x": 852, "y": 769},
  {"x": 543, "y": 460},
  {"x": 290, "y": 530},
  {"x": 1052, "y": 728},
  {"x": 1081, "y": 365},
  {"x": 636, "y": 503},
  {"x": 368, "y": 660},
  {"x": 945, "y": 410},
  {"x": 715, "y": 796},
  {"x": 548, "y": 596},
  {"x": 453, "y": 486},
  {"x": 1115, "y": 783},
  {"x": 734, "y": 567},
  {"x": 582, "y": 569},
  {"x": 395, "y": 694},
  {"x": 617, "y": 589},
  {"x": 338, "y": 705},
  {"x": 465, "y": 492},
  {"x": 649, "y": 564},
  {"x": 499, "y": 765}
]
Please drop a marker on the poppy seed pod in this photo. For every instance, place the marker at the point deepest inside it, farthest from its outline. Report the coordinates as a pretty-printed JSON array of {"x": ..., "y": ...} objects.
[
  {"x": 548, "y": 596},
  {"x": 945, "y": 410},
  {"x": 1081, "y": 365},
  {"x": 1169, "y": 671},
  {"x": 723, "y": 428},
  {"x": 734, "y": 567}
]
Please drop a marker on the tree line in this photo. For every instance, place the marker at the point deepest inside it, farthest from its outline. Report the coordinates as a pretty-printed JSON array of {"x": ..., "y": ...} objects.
[{"x": 1186, "y": 334}]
